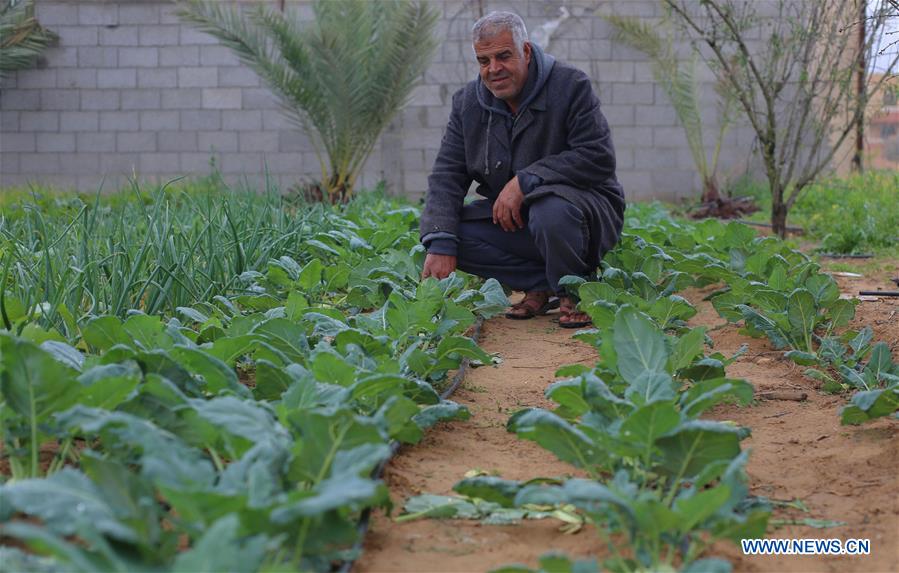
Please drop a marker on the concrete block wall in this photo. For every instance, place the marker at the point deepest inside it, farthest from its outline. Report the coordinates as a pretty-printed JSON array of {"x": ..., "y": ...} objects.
[{"x": 130, "y": 89}]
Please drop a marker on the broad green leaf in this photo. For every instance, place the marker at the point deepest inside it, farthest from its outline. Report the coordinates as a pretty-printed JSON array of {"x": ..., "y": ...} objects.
[
  {"x": 553, "y": 433},
  {"x": 870, "y": 404},
  {"x": 639, "y": 344},
  {"x": 223, "y": 548},
  {"x": 693, "y": 510},
  {"x": 104, "y": 332},
  {"x": 824, "y": 289},
  {"x": 445, "y": 411},
  {"x": 321, "y": 436},
  {"x": 250, "y": 420},
  {"x": 71, "y": 357},
  {"x": 648, "y": 423},
  {"x": 490, "y": 488},
  {"x": 569, "y": 395},
  {"x": 706, "y": 393},
  {"x": 66, "y": 502},
  {"x": 33, "y": 383},
  {"x": 331, "y": 368},
  {"x": 107, "y": 386},
  {"x": 217, "y": 376},
  {"x": 147, "y": 331},
  {"x": 72, "y": 556},
  {"x": 687, "y": 347},
  {"x": 841, "y": 312},
  {"x": 651, "y": 386},
  {"x": 351, "y": 492},
  {"x": 801, "y": 312},
  {"x": 880, "y": 361},
  {"x": 695, "y": 445},
  {"x": 801, "y": 358}
]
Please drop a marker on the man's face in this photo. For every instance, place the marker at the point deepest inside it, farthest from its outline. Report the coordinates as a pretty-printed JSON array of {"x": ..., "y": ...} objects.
[{"x": 503, "y": 69}]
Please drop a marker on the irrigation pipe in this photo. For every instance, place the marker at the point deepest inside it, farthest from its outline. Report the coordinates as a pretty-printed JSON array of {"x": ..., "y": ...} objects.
[{"x": 365, "y": 518}]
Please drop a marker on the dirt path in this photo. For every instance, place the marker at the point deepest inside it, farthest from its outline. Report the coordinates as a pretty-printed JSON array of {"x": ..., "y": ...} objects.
[
  {"x": 531, "y": 352},
  {"x": 799, "y": 451}
]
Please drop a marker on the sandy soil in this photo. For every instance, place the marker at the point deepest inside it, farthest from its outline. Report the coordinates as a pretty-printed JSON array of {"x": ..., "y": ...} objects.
[{"x": 799, "y": 452}]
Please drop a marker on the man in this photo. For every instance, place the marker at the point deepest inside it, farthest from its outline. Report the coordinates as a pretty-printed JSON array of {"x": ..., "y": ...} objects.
[{"x": 530, "y": 132}]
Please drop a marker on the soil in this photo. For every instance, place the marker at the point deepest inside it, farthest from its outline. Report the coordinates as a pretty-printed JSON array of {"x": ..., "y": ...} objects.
[{"x": 799, "y": 451}]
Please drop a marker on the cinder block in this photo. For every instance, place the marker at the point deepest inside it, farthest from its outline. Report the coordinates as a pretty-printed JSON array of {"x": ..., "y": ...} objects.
[
  {"x": 674, "y": 184},
  {"x": 217, "y": 141},
  {"x": 119, "y": 121},
  {"x": 437, "y": 116},
  {"x": 55, "y": 142},
  {"x": 141, "y": 141},
  {"x": 200, "y": 120},
  {"x": 260, "y": 98},
  {"x": 55, "y": 14},
  {"x": 250, "y": 120},
  {"x": 38, "y": 121},
  {"x": 79, "y": 163},
  {"x": 179, "y": 56},
  {"x": 79, "y": 121},
  {"x": 619, "y": 114},
  {"x": 99, "y": 99},
  {"x": 632, "y": 136},
  {"x": 637, "y": 184},
  {"x": 85, "y": 78},
  {"x": 242, "y": 163},
  {"x": 283, "y": 163},
  {"x": 655, "y": 158},
  {"x": 57, "y": 99},
  {"x": 9, "y": 121},
  {"x": 427, "y": 95},
  {"x": 97, "y": 142},
  {"x": 98, "y": 14},
  {"x": 258, "y": 141},
  {"x": 28, "y": 79},
  {"x": 415, "y": 182},
  {"x": 142, "y": 14},
  {"x": 196, "y": 163},
  {"x": 159, "y": 163},
  {"x": 9, "y": 164},
  {"x": 20, "y": 100},
  {"x": 624, "y": 158},
  {"x": 113, "y": 165},
  {"x": 157, "y": 78},
  {"x": 182, "y": 98},
  {"x": 608, "y": 72},
  {"x": 590, "y": 50},
  {"x": 276, "y": 120},
  {"x": 145, "y": 57},
  {"x": 168, "y": 14},
  {"x": 238, "y": 77},
  {"x": 191, "y": 36},
  {"x": 141, "y": 99},
  {"x": 632, "y": 93},
  {"x": 13, "y": 142},
  {"x": 61, "y": 57},
  {"x": 119, "y": 36},
  {"x": 413, "y": 160},
  {"x": 659, "y": 115},
  {"x": 222, "y": 98},
  {"x": 176, "y": 141},
  {"x": 117, "y": 78},
  {"x": 159, "y": 35},
  {"x": 39, "y": 164},
  {"x": 159, "y": 120},
  {"x": 77, "y": 35},
  {"x": 197, "y": 77},
  {"x": 217, "y": 55},
  {"x": 423, "y": 138},
  {"x": 98, "y": 57},
  {"x": 668, "y": 136},
  {"x": 294, "y": 140}
]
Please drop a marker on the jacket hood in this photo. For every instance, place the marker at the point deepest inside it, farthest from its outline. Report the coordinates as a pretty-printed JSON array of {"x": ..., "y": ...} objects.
[{"x": 538, "y": 72}]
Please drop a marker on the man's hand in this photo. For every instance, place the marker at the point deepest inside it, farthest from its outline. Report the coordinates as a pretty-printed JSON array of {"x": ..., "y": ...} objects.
[
  {"x": 438, "y": 266},
  {"x": 507, "y": 207}
]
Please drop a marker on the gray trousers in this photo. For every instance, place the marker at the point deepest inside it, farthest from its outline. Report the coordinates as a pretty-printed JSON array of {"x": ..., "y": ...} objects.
[{"x": 552, "y": 244}]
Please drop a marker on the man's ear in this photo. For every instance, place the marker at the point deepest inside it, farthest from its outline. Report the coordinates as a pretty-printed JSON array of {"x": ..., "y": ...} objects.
[{"x": 527, "y": 53}]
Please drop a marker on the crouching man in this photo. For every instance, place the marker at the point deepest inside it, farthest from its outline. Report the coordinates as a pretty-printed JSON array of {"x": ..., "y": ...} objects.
[{"x": 529, "y": 130}]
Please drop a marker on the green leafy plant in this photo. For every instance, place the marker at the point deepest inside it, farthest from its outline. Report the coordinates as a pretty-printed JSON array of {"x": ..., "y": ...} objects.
[{"x": 342, "y": 78}]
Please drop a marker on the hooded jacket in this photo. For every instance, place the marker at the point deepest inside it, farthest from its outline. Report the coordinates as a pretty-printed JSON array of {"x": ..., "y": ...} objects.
[{"x": 558, "y": 143}]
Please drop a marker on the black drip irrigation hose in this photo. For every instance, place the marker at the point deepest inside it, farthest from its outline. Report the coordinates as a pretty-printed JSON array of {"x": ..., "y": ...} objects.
[{"x": 365, "y": 518}]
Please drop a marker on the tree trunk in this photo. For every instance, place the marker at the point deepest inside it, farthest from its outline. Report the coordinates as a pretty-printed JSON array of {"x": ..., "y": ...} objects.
[
  {"x": 710, "y": 192},
  {"x": 778, "y": 216}
]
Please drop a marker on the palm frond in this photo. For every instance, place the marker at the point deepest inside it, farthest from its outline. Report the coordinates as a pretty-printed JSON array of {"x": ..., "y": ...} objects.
[{"x": 22, "y": 38}]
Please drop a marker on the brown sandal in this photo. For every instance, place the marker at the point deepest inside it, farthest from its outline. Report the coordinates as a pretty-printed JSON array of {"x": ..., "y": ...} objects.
[
  {"x": 534, "y": 303},
  {"x": 570, "y": 316}
]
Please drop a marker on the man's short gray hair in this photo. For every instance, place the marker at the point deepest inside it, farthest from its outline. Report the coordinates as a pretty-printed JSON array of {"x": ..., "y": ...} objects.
[{"x": 498, "y": 22}]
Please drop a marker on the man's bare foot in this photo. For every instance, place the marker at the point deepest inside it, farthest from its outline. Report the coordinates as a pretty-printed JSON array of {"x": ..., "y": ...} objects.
[{"x": 570, "y": 316}]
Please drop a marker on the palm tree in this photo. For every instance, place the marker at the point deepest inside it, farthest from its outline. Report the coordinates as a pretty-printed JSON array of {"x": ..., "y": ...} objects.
[
  {"x": 677, "y": 78},
  {"x": 22, "y": 38},
  {"x": 341, "y": 78}
]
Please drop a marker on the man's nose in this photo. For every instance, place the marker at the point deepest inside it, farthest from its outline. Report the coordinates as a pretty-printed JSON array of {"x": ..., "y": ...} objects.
[{"x": 493, "y": 66}]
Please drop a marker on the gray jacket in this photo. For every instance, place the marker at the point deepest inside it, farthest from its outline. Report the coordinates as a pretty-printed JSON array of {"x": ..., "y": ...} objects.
[{"x": 558, "y": 143}]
